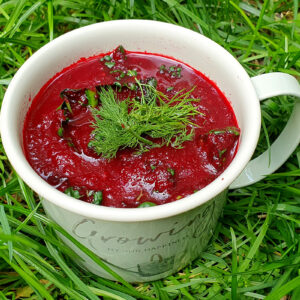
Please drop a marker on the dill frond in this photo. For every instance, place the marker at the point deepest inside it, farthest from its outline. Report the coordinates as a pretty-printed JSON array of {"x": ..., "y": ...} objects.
[{"x": 135, "y": 123}]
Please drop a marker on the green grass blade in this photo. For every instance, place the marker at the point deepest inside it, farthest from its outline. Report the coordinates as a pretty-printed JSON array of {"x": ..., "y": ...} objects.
[
  {"x": 257, "y": 27},
  {"x": 28, "y": 276},
  {"x": 296, "y": 293},
  {"x": 284, "y": 290},
  {"x": 112, "y": 291},
  {"x": 11, "y": 187},
  {"x": 159, "y": 290},
  {"x": 7, "y": 231},
  {"x": 14, "y": 16},
  {"x": 28, "y": 218},
  {"x": 95, "y": 258},
  {"x": 104, "y": 293},
  {"x": 234, "y": 267},
  {"x": 18, "y": 42},
  {"x": 181, "y": 287},
  {"x": 253, "y": 250},
  {"x": 122, "y": 289},
  {"x": 184, "y": 10},
  {"x": 296, "y": 14},
  {"x": 50, "y": 19},
  {"x": 249, "y": 22},
  {"x": 2, "y": 296},
  {"x": 52, "y": 275},
  {"x": 86, "y": 290},
  {"x": 25, "y": 16}
]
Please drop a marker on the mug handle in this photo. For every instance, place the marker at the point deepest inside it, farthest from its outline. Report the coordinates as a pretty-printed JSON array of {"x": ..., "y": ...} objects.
[{"x": 266, "y": 86}]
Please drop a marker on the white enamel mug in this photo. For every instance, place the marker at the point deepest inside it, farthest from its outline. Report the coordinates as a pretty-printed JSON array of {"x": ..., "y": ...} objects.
[{"x": 143, "y": 244}]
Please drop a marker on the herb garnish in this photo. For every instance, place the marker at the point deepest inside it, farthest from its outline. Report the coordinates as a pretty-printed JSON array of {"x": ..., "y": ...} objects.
[
  {"x": 135, "y": 123},
  {"x": 221, "y": 152},
  {"x": 72, "y": 193},
  {"x": 173, "y": 71},
  {"x": 60, "y": 132},
  {"x": 153, "y": 167},
  {"x": 147, "y": 204},
  {"x": 132, "y": 73},
  {"x": 232, "y": 130},
  {"x": 162, "y": 69},
  {"x": 110, "y": 64},
  {"x": 91, "y": 97},
  {"x": 65, "y": 106},
  {"x": 171, "y": 171},
  {"x": 106, "y": 58},
  {"x": 97, "y": 197}
]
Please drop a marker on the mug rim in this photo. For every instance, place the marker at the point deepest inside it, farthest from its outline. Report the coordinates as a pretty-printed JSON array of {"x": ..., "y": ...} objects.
[{"x": 58, "y": 198}]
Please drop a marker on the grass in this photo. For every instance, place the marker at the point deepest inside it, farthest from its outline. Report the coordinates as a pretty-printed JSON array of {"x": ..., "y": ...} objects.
[{"x": 255, "y": 250}]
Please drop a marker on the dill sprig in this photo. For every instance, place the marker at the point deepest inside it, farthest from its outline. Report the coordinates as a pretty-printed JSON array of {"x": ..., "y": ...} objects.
[{"x": 136, "y": 122}]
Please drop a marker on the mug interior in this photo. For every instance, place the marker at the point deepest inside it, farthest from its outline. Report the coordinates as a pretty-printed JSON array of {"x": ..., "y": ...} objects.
[{"x": 135, "y": 35}]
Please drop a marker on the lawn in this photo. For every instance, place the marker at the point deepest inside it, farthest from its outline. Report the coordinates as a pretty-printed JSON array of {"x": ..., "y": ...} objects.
[{"x": 255, "y": 250}]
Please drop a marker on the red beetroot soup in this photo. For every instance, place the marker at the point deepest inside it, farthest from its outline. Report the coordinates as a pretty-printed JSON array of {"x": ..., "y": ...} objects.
[{"x": 60, "y": 125}]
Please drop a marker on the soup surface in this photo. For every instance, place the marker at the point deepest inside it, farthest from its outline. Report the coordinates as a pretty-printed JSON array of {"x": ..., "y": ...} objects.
[{"x": 60, "y": 126}]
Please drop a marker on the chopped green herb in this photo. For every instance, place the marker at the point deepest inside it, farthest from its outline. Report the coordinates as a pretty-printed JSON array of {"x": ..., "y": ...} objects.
[
  {"x": 70, "y": 144},
  {"x": 146, "y": 204},
  {"x": 171, "y": 69},
  {"x": 65, "y": 106},
  {"x": 221, "y": 152},
  {"x": 217, "y": 131},
  {"x": 62, "y": 94},
  {"x": 118, "y": 84},
  {"x": 162, "y": 69},
  {"x": 121, "y": 49},
  {"x": 132, "y": 73},
  {"x": 154, "y": 115},
  {"x": 232, "y": 130},
  {"x": 110, "y": 64},
  {"x": 98, "y": 197},
  {"x": 179, "y": 72},
  {"x": 153, "y": 167},
  {"x": 122, "y": 75},
  {"x": 106, "y": 58},
  {"x": 68, "y": 106},
  {"x": 170, "y": 88},
  {"x": 60, "y": 131},
  {"x": 91, "y": 96},
  {"x": 115, "y": 71},
  {"x": 72, "y": 193},
  {"x": 132, "y": 86},
  {"x": 152, "y": 82},
  {"x": 61, "y": 106},
  {"x": 171, "y": 171},
  {"x": 174, "y": 71}
]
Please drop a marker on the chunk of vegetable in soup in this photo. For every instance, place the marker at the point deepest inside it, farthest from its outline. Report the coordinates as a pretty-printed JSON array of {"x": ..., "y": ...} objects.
[{"x": 130, "y": 129}]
